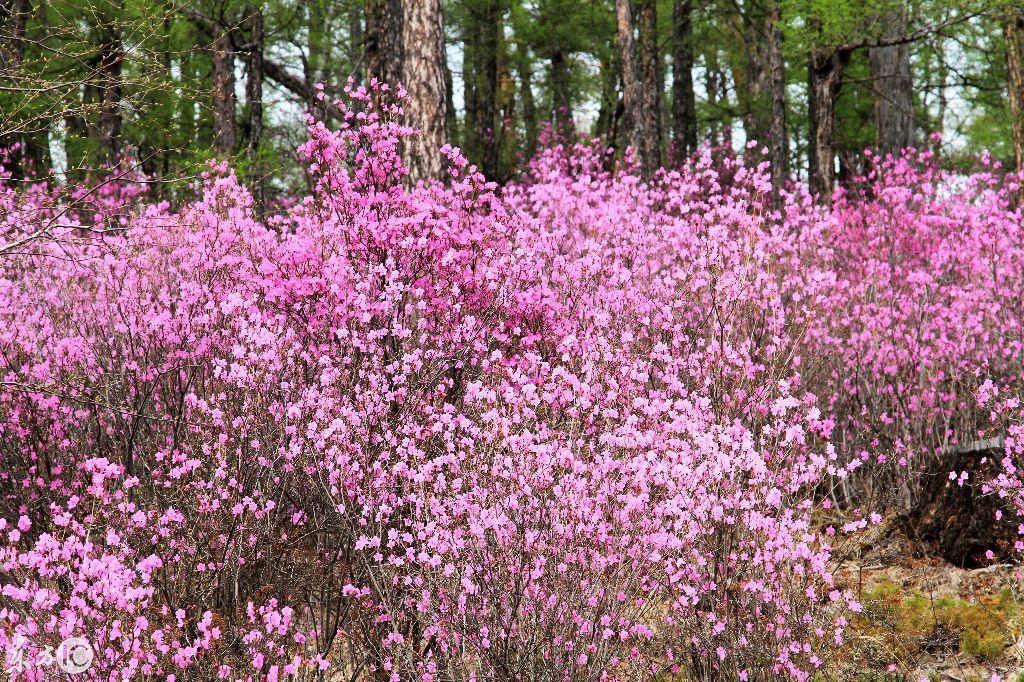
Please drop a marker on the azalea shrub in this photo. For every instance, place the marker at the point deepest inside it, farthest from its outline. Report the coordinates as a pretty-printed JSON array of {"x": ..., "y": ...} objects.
[{"x": 578, "y": 427}]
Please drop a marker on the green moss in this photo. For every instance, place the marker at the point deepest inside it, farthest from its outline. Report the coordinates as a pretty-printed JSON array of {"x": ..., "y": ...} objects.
[{"x": 900, "y": 627}]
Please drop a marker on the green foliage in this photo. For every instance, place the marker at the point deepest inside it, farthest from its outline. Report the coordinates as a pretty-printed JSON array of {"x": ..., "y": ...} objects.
[{"x": 900, "y": 627}]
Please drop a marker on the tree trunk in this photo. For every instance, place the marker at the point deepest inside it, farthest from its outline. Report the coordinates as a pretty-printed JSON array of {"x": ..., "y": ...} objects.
[
  {"x": 356, "y": 46},
  {"x": 111, "y": 59},
  {"x": 482, "y": 42},
  {"x": 427, "y": 109},
  {"x": 892, "y": 87},
  {"x": 561, "y": 97},
  {"x": 14, "y": 16},
  {"x": 825, "y": 71},
  {"x": 714, "y": 85},
  {"x": 529, "y": 104},
  {"x": 778, "y": 149},
  {"x": 384, "y": 47},
  {"x": 13, "y": 21},
  {"x": 254, "y": 95},
  {"x": 224, "y": 131},
  {"x": 609, "y": 77},
  {"x": 650, "y": 76},
  {"x": 684, "y": 106},
  {"x": 632, "y": 91},
  {"x": 1014, "y": 35}
]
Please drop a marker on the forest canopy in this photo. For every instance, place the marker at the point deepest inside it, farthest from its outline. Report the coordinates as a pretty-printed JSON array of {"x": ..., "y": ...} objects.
[{"x": 168, "y": 84}]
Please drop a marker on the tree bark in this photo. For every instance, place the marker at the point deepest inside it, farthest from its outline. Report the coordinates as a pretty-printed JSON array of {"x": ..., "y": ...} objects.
[
  {"x": 224, "y": 127},
  {"x": 482, "y": 42},
  {"x": 356, "y": 43},
  {"x": 561, "y": 96},
  {"x": 1014, "y": 36},
  {"x": 529, "y": 104},
  {"x": 111, "y": 56},
  {"x": 650, "y": 76},
  {"x": 384, "y": 47},
  {"x": 632, "y": 92},
  {"x": 778, "y": 149},
  {"x": 825, "y": 71},
  {"x": 424, "y": 67},
  {"x": 13, "y": 22},
  {"x": 684, "y": 103},
  {"x": 254, "y": 95},
  {"x": 892, "y": 87}
]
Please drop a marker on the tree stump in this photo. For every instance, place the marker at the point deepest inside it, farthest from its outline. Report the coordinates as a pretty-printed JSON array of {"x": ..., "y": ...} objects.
[{"x": 958, "y": 523}]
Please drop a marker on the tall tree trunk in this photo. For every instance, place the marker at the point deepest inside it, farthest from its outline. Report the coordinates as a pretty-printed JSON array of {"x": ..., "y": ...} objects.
[
  {"x": 482, "y": 43},
  {"x": 714, "y": 84},
  {"x": 1014, "y": 35},
  {"x": 892, "y": 87},
  {"x": 384, "y": 47},
  {"x": 111, "y": 61},
  {"x": 825, "y": 71},
  {"x": 449, "y": 99},
  {"x": 751, "y": 78},
  {"x": 779, "y": 147},
  {"x": 14, "y": 16},
  {"x": 224, "y": 130},
  {"x": 254, "y": 95},
  {"x": 13, "y": 22},
  {"x": 356, "y": 40},
  {"x": 561, "y": 89},
  {"x": 609, "y": 76},
  {"x": 650, "y": 76},
  {"x": 684, "y": 105},
  {"x": 632, "y": 92},
  {"x": 427, "y": 109},
  {"x": 318, "y": 55},
  {"x": 529, "y": 104}
]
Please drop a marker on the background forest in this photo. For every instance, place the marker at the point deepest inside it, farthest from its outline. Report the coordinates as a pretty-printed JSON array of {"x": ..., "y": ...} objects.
[{"x": 168, "y": 84}]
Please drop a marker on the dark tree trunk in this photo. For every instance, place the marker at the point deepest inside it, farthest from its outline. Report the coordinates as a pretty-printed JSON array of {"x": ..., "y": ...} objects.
[
  {"x": 482, "y": 43},
  {"x": 752, "y": 83},
  {"x": 643, "y": 141},
  {"x": 13, "y": 21},
  {"x": 111, "y": 61},
  {"x": 609, "y": 70},
  {"x": 424, "y": 67},
  {"x": 224, "y": 127},
  {"x": 892, "y": 87},
  {"x": 529, "y": 104},
  {"x": 714, "y": 84},
  {"x": 778, "y": 148},
  {"x": 1014, "y": 35},
  {"x": 14, "y": 16},
  {"x": 684, "y": 107},
  {"x": 384, "y": 46},
  {"x": 825, "y": 71},
  {"x": 650, "y": 76},
  {"x": 356, "y": 40},
  {"x": 254, "y": 95},
  {"x": 561, "y": 97},
  {"x": 449, "y": 98}
]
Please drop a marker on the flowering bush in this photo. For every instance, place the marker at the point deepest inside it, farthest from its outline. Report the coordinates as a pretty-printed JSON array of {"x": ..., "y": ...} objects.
[{"x": 571, "y": 430}]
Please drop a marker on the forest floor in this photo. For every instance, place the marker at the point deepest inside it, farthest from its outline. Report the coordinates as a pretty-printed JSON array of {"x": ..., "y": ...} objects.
[{"x": 926, "y": 619}]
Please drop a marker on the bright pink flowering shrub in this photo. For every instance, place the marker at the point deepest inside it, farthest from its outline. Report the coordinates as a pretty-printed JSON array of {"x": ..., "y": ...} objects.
[
  {"x": 571, "y": 430},
  {"x": 925, "y": 307}
]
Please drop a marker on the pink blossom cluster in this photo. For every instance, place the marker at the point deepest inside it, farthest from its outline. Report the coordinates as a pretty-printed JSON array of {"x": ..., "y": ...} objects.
[
  {"x": 925, "y": 307},
  {"x": 575, "y": 428}
]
